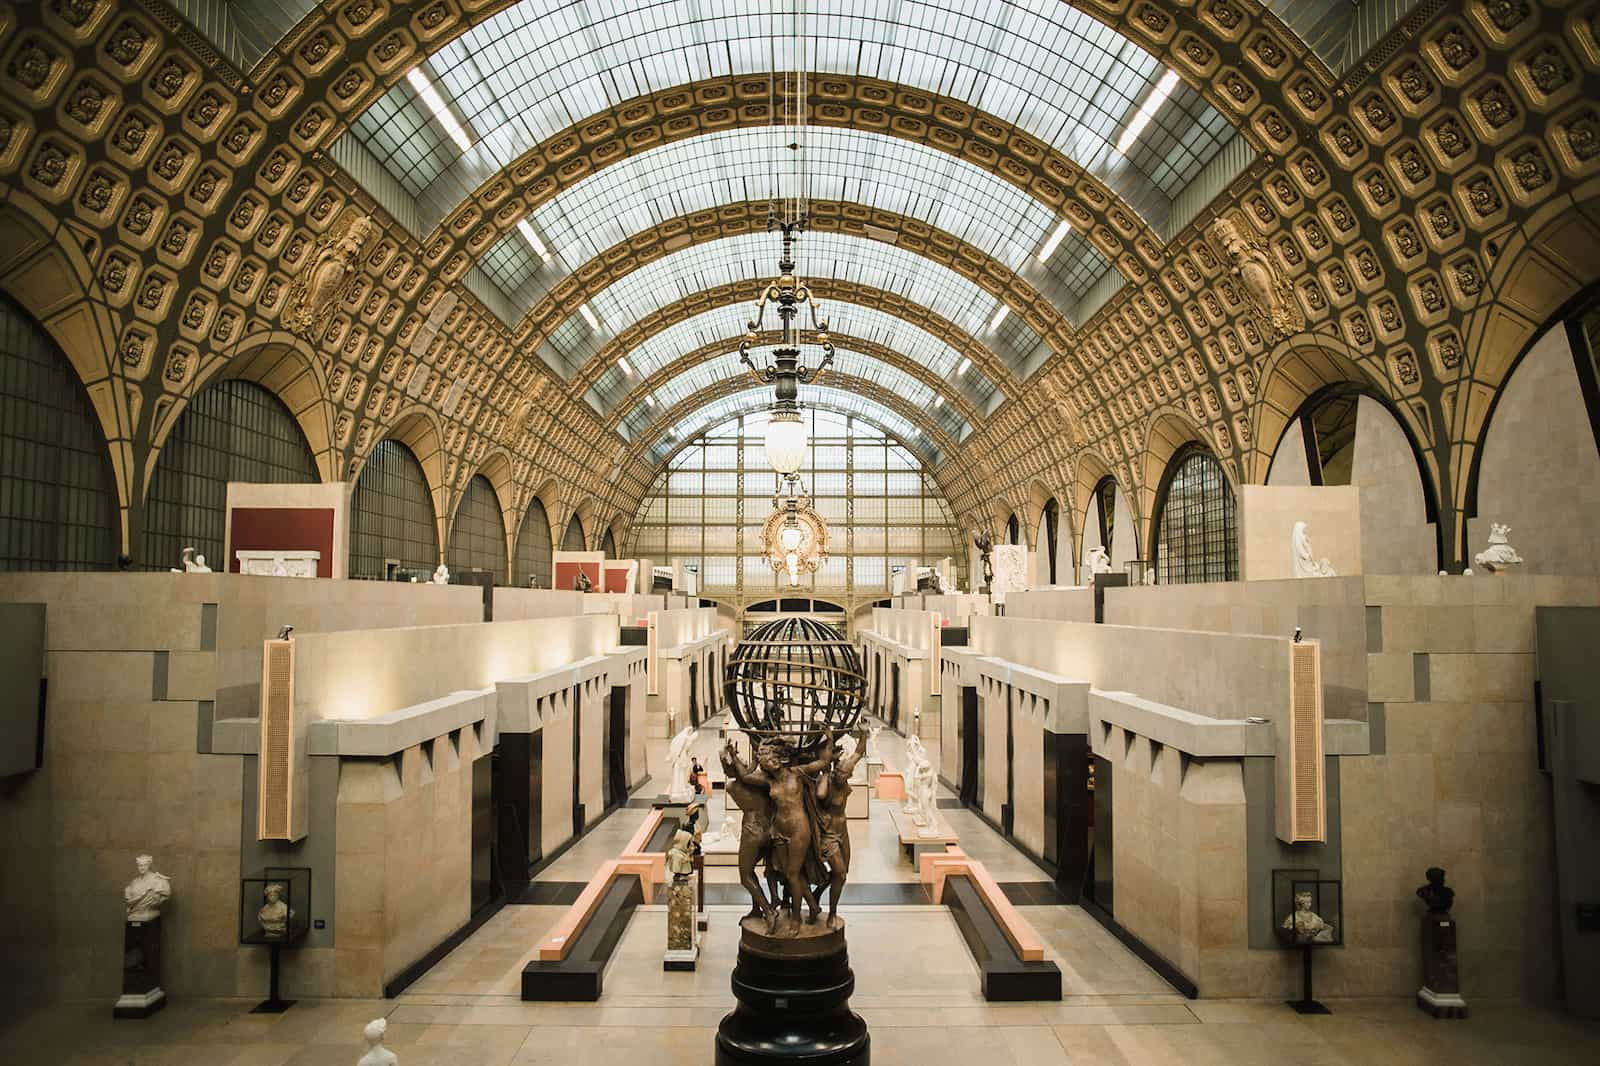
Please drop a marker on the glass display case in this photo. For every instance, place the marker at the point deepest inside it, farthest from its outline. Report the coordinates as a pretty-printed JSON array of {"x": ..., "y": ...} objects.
[
  {"x": 1308, "y": 909},
  {"x": 275, "y": 906}
]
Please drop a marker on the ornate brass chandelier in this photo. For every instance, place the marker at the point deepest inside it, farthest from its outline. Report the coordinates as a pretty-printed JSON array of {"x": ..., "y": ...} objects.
[{"x": 794, "y": 537}]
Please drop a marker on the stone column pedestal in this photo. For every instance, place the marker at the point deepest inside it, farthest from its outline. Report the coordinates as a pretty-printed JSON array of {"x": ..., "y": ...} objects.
[
  {"x": 1440, "y": 994},
  {"x": 683, "y": 940},
  {"x": 142, "y": 994}
]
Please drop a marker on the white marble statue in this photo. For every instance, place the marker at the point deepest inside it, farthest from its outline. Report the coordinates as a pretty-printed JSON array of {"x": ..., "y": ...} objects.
[
  {"x": 1499, "y": 556},
  {"x": 190, "y": 563},
  {"x": 727, "y": 832},
  {"x": 872, "y": 742},
  {"x": 1306, "y": 565},
  {"x": 916, "y": 755},
  {"x": 441, "y": 575},
  {"x": 274, "y": 914},
  {"x": 145, "y": 894},
  {"x": 679, "y": 759},
  {"x": 1095, "y": 561},
  {"x": 377, "y": 1054},
  {"x": 925, "y": 785},
  {"x": 680, "y": 856}
]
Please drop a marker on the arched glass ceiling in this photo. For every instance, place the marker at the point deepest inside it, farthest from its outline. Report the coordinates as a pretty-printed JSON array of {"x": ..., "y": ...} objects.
[
  {"x": 726, "y": 367},
  {"x": 726, "y": 325},
  {"x": 848, "y": 166},
  {"x": 755, "y": 256},
  {"x": 754, "y": 401},
  {"x": 541, "y": 66}
]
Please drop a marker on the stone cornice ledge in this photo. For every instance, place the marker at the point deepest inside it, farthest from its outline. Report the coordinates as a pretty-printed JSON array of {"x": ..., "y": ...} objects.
[
  {"x": 1204, "y": 737},
  {"x": 395, "y": 732}
]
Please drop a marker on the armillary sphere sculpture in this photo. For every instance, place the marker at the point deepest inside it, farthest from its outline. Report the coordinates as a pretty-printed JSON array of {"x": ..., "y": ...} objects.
[{"x": 795, "y": 687}]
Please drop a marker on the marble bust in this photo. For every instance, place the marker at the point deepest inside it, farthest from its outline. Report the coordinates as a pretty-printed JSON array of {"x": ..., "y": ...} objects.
[
  {"x": 1306, "y": 926},
  {"x": 1305, "y": 565},
  {"x": 377, "y": 1054},
  {"x": 274, "y": 913},
  {"x": 441, "y": 575},
  {"x": 145, "y": 894}
]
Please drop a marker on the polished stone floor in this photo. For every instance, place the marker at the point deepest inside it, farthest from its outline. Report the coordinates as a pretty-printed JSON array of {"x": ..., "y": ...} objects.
[{"x": 917, "y": 988}]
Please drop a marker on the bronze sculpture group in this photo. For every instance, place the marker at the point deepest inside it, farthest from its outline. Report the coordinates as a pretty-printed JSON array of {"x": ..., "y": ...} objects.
[{"x": 794, "y": 823}]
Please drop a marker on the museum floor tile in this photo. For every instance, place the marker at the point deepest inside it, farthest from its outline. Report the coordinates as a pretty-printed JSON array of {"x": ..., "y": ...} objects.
[{"x": 917, "y": 989}]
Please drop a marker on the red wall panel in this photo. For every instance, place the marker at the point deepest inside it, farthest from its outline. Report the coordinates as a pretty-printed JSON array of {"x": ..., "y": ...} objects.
[{"x": 283, "y": 529}]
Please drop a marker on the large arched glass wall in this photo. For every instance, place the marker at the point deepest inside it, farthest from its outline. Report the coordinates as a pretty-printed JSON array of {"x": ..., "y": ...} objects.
[
  {"x": 1049, "y": 525},
  {"x": 478, "y": 538},
  {"x": 533, "y": 563},
  {"x": 608, "y": 544},
  {"x": 392, "y": 531},
  {"x": 58, "y": 503},
  {"x": 231, "y": 431},
  {"x": 1197, "y": 526},
  {"x": 572, "y": 540},
  {"x": 881, "y": 505}
]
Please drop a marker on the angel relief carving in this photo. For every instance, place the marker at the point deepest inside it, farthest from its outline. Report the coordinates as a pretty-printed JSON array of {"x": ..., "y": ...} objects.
[
  {"x": 1268, "y": 293},
  {"x": 327, "y": 275}
]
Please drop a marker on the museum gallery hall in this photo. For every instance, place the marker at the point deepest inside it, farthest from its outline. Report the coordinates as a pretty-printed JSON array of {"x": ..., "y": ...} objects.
[{"x": 700, "y": 532}]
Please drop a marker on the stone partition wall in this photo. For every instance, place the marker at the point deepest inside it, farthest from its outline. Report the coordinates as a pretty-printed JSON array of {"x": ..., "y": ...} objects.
[
  {"x": 139, "y": 666},
  {"x": 1060, "y": 604},
  {"x": 517, "y": 604}
]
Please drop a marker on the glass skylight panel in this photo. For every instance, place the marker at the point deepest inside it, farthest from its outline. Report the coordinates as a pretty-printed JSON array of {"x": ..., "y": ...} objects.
[{"x": 540, "y": 66}]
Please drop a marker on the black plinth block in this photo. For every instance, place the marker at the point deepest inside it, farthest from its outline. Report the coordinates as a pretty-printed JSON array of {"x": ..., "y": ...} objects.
[
  {"x": 793, "y": 1010},
  {"x": 141, "y": 970}
]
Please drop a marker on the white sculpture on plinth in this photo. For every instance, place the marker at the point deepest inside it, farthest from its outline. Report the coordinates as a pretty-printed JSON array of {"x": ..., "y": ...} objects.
[
  {"x": 377, "y": 1054},
  {"x": 192, "y": 563},
  {"x": 916, "y": 755},
  {"x": 274, "y": 914},
  {"x": 924, "y": 785},
  {"x": 1095, "y": 561},
  {"x": 1305, "y": 565},
  {"x": 678, "y": 760},
  {"x": 1499, "y": 556},
  {"x": 441, "y": 575},
  {"x": 145, "y": 894}
]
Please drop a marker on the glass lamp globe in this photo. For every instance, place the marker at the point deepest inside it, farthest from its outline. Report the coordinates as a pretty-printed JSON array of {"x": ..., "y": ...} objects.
[
  {"x": 786, "y": 442},
  {"x": 792, "y": 538}
]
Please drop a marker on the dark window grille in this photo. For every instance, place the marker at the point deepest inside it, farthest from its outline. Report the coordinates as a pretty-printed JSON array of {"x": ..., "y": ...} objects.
[
  {"x": 1052, "y": 519},
  {"x": 572, "y": 539},
  {"x": 392, "y": 533},
  {"x": 58, "y": 502},
  {"x": 533, "y": 549},
  {"x": 1197, "y": 522},
  {"x": 608, "y": 544},
  {"x": 231, "y": 431},
  {"x": 478, "y": 539}
]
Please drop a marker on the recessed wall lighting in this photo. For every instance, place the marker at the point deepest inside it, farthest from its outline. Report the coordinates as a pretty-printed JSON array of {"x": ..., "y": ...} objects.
[
  {"x": 1054, "y": 242},
  {"x": 533, "y": 239},
  {"x": 1147, "y": 110},
  {"x": 999, "y": 317},
  {"x": 430, "y": 96},
  {"x": 588, "y": 316}
]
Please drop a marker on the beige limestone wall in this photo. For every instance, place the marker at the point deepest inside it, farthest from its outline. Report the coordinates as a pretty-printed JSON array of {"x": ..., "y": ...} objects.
[
  {"x": 404, "y": 860},
  {"x": 1539, "y": 471},
  {"x": 1396, "y": 536},
  {"x": 132, "y": 658},
  {"x": 519, "y": 604},
  {"x": 1062, "y": 604},
  {"x": 1267, "y": 516}
]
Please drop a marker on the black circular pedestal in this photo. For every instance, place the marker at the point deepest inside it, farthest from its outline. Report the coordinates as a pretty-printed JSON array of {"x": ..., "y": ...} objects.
[{"x": 794, "y": 1001}]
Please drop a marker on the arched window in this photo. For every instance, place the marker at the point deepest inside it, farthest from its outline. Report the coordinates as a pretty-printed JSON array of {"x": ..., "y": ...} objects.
[
  {"x": 1049, "y": 527},
  {"x": 478, "y": 538},
  {"x": 1013, "y": 530},
  {"x": 58, "y": 502},
  {"x": 572, "y": 540},
  {"x": 1104, "y": 511},
  {"x": 392, "y": 531},
  {"x": 1197, "y": 534},
  {"x": 533, "y": 549},
  {"x": 608, "y": 544},
  {"x": 231, "y": 431}
]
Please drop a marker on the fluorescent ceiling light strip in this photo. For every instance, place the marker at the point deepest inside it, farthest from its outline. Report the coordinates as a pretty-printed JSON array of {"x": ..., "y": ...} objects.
[
  {"x": 588, "y": 316},
  {"x": 435, "y": 102},
  {"x": 1055, "y": 240},
  {"x": 938, "y": 402},
  {"x": 966, "y": 365},
  {"x": 650, "y": 400},
  {"x": 622, "y": 361},
  {"x": 1147, "y": 110},
  {"x": 999, "y": 316},
  {"x": 533, "y": 239}
]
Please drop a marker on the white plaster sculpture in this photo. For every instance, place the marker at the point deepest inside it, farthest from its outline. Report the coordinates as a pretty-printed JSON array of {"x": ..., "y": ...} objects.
[
  {"x": 441, "y": 575},
  {"x": 1499, "y": 556},
  {"x": 1304, "y": 564},
  {"x": 916, "y": 755},
  {"x": 1305, "y": 925},
  {"x": 872, "y": 742},
  {"x": 1095, "y": 561},
  {"x": 377, "y": 1054},
  {"x": 680, "y": 856},
  {"x": 274, "y": 913},
  {"x": 679, "y": 760},
  {"x": 924, "y": 786},
  {"x": 727, "y": 832},
  {"x": 192, "y": 563},
  {"x": 145, "y": 894}
]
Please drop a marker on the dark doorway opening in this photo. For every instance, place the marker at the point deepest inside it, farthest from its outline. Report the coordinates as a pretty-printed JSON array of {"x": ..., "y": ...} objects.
[
  {"x": 969, "y": 746},
  {"x": 616, "y": 783},
  {"x": 694, "y": 695},
  {"x": 577, "y": 760}
]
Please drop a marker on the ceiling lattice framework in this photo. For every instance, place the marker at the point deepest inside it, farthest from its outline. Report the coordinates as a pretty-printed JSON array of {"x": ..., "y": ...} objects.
[{"x": 1457, "y": 146}]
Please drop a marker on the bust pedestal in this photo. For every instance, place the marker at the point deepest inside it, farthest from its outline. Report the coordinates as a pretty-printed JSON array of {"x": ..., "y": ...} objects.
[
  {"x": 683, "y": 941},
  {"x": 794, "y": 1000},
  {"x": 142, "y": 994},
  {"x": 1440, "y": 994}
]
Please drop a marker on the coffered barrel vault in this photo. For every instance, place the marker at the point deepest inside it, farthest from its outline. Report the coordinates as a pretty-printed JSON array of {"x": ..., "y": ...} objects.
[{"x": 1419, "y": 211}]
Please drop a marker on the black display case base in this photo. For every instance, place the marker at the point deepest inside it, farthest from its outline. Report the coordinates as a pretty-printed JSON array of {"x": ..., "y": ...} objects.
[
  {"x": 139, "y": 1005},
  {"x": 272, "y": 1006},
  {"x": 794, "y": 1001}
]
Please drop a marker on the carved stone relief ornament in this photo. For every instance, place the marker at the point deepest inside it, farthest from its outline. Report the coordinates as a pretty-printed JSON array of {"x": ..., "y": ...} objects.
[
  {"x": 329, "y": 271},
  {"x": 1268, "y": 293}
]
